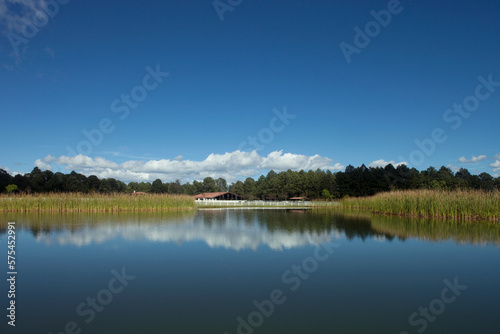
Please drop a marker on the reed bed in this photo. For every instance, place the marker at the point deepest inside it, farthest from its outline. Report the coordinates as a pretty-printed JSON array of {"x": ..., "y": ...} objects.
[
  {"x": 79, "y": 202},
  {"x": 457, "y": 204}
]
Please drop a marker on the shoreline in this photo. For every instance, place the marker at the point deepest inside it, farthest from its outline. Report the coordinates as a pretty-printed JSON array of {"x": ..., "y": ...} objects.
[{"x": 458, "y": 205}]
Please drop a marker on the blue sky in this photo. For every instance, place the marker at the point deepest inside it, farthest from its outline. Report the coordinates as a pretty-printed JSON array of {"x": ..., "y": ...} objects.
[{"x": 166, "y": 89}]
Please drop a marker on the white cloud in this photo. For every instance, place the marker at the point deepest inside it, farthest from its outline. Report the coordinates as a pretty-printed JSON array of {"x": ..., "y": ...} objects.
[
  {"x": 383, "y": 163},
  {"x": 277, "y": 160},
  {"x": 230, "y": 165},
  {"x": 496, "y": 165},
  {"x": 8, "y": 170},
  {"x": 40, "y": 163},
  {"x": 474, "y": 159},
  {"x": 453, "y": 168}
]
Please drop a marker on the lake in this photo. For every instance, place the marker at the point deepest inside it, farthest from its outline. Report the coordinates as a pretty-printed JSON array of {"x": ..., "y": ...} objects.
[{"x": 251, "y": 271}]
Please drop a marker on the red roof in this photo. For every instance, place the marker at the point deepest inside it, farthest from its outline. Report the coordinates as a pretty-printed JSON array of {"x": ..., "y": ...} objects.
[{"x": 210, "y": 195}]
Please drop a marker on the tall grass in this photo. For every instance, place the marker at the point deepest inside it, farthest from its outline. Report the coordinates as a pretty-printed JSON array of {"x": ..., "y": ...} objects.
[
  {"x": 78, "y": 202},
  {"x": 458, "y": 204}
]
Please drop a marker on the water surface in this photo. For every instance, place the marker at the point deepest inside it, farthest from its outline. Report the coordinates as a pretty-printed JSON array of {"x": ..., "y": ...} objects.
[{"x": 252, "y": 271}]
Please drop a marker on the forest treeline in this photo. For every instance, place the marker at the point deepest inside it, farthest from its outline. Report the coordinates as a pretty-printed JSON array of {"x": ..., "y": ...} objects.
[{"x": 353, "y": 182}]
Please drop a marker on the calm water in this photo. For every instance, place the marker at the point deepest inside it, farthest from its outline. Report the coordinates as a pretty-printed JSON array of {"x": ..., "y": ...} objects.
[{"x": 251, "y": 271}]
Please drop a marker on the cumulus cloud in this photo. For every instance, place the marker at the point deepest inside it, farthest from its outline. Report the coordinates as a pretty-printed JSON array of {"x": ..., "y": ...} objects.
[
  {"x": 5, "y": 168},
  {"x": 453, "y": 168},
  {"x": 230, "y": 165},
  {"x": 11, "y": 172},
  {"x": 383, "y": 163},
  {"x": 43, "y": 165},
  {"x": 474, "y": 159},
  {"x": 496, "y": 165}
]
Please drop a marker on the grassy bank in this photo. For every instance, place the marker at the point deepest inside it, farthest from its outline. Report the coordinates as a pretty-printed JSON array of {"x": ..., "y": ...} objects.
[
  {"x": 78, "y": 202},
  {"x": 459, "y": 204}
]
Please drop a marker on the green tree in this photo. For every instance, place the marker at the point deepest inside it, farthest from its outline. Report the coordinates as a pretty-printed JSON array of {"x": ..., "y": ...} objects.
[
  {"x": 437, "y": 185},
  {"x": 5, "y": 178},
  {"x": 144, "y": 187},
  {"x": 290, "y": 184},
  {"x": 22, "y": 182},
  {"x": 198, "y": 187},
  {"x": 414, "y": 180},
  {"x": 209, "y": 185},
  {"x": 249, "y": 189},
  {"x": 11, "y": 188},
  {"x": 378, "y": 180},
  {"x": 75, "y": 182},
  {"x": 93, "y": 183},
  {"x": 428, "y": 176},
  {"x": 133, "y": 186},
  {"x": 221, "y": 184},
  {"x": 189, "y": 189},
  {"x": 342, "y": 182},
  {"x": 157, "y": 186},
  {"x": 55, "y": 183},
  {"x": 445, "y": 176},
  {"x": 260, "y": 185},
  {"x": 475, "y": 182},
  {"x": 463, "y": 178},
  {"x": 272, "y": 185},
  {"x": 175, "y": 187},
  {"x": 238, "y": 188},
  {"x": 486, "y": 181},
  {"x": 312, "y": 183},
  {"x": 326, "y": 194},
  {"x": 36, "y": 180},
  {"x": 392, "y": 176}
]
